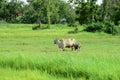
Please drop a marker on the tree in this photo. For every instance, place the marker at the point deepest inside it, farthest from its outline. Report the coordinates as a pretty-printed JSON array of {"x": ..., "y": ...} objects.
[
  {"x": 110, "y": 9},
  {"x": 48, "y": 12},
  {"x": 43, "y": 9},
  {"x": 67, "y": 11},
  {"x": 114, "y": 10},
  {"x": 3, "y": 4},
  {"x": 116, "y": 15},
  {"x": 38, "y": 6},
  {"x": 37, "y": 11},
  {"x": 106, "y": 10},
  {"x": 85, "y": 11},
  {"x": 9, "y": 10}
]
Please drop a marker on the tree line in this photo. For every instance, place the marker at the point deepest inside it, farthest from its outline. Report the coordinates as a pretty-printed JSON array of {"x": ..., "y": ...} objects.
[{"x": 86, "y": 12}]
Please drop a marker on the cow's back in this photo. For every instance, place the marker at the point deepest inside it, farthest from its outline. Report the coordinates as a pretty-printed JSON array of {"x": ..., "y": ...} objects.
[{"x": 68, "y": 42}]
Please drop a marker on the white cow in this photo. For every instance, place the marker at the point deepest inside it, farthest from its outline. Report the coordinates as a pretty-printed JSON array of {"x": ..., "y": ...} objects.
[{"x": 67, "y": 43}]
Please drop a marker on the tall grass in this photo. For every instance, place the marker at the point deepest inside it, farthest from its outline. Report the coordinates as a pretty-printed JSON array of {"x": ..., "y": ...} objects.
[
  {"x": 66, "y": 65},
  {"x": 22, "y": 49}
]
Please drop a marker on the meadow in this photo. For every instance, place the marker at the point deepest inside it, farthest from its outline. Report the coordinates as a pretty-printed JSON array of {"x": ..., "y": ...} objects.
[{"x": 27, "y": 54}]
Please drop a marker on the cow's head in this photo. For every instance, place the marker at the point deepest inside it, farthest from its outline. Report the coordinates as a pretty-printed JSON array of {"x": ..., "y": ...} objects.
[
  {"x": 77, "y": 46},
  {"x": 56, "y": 41}
]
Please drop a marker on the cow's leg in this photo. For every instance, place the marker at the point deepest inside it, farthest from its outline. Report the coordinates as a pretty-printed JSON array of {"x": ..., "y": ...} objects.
[
  {"x": 63, "y": 48},
  {"x": 72, "y": 48}
]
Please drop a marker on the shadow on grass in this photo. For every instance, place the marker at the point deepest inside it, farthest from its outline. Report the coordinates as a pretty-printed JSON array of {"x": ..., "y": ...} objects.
[
  {"x": 40, "y": 28},
  {"x": 74, "y": 32}
]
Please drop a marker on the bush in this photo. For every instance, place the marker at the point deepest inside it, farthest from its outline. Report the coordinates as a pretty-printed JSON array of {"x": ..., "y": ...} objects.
[
  {"x": 18, "y": 19},
  {"x": 35, "y": 27},
  {"x": 110, "y": 28},
  {"x": 94, "y": 27},
  {"x": 74, "y": 24},
  {"x": 107, "y": 27},
  {"x": 76, "y": 30}
]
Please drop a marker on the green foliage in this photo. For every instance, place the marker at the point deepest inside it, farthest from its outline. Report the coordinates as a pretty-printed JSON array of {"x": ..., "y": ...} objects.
[
  {"x": 37, "y": 11},
  {"x": 29, "y": 15},
  {"x": 67, "y": 12},
  {"x": 76, "y": 30},
  {"x": 18, "y": 19},
  {"x": 111, "y": 10},
  {"x": 86, "y": 11},
  {"x": 95, "y": 27},
  {"x": 116, "y": 17},
  {"x": 90, "y": 13},
  {"x": 35, "y": 27},
  {"x": 52, "y": 11},
  {"x": 3, "y": 10},
  {"x": 110, "y": 28}
]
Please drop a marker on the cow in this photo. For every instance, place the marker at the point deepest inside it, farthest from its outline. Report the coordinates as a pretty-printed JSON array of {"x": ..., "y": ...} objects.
[{"x": 67, "y": 43}]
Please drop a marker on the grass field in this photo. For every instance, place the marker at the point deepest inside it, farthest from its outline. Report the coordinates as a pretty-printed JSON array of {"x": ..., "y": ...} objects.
[{"x": 31, "y": 55}]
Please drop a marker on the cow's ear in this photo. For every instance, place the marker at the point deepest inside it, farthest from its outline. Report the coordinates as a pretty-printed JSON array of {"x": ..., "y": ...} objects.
[{"x": 56, "y": 39}]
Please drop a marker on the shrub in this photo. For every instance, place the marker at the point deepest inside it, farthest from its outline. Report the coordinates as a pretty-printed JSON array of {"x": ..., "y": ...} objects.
[
  {"x": 74, "y": 24},
  {"x": 95, "y": 27},
  {"x": 110, "y": 28},
  {"x": 76, "y": 30},
  {"x": 18, "y": 19},
  {"x": 107, "y": 27},
  {"x": 35, "y": 27}
]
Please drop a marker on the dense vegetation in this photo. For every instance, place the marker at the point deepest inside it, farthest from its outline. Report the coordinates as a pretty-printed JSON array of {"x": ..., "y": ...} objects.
[
  {"x": 28, "y": 54},
  {"x": 58, "y": 11}
]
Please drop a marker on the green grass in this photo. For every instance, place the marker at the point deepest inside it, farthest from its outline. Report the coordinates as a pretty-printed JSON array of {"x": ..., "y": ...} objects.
[
  {"x": 9, "y": 74},
  {"x": 31, "y": 55}
]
